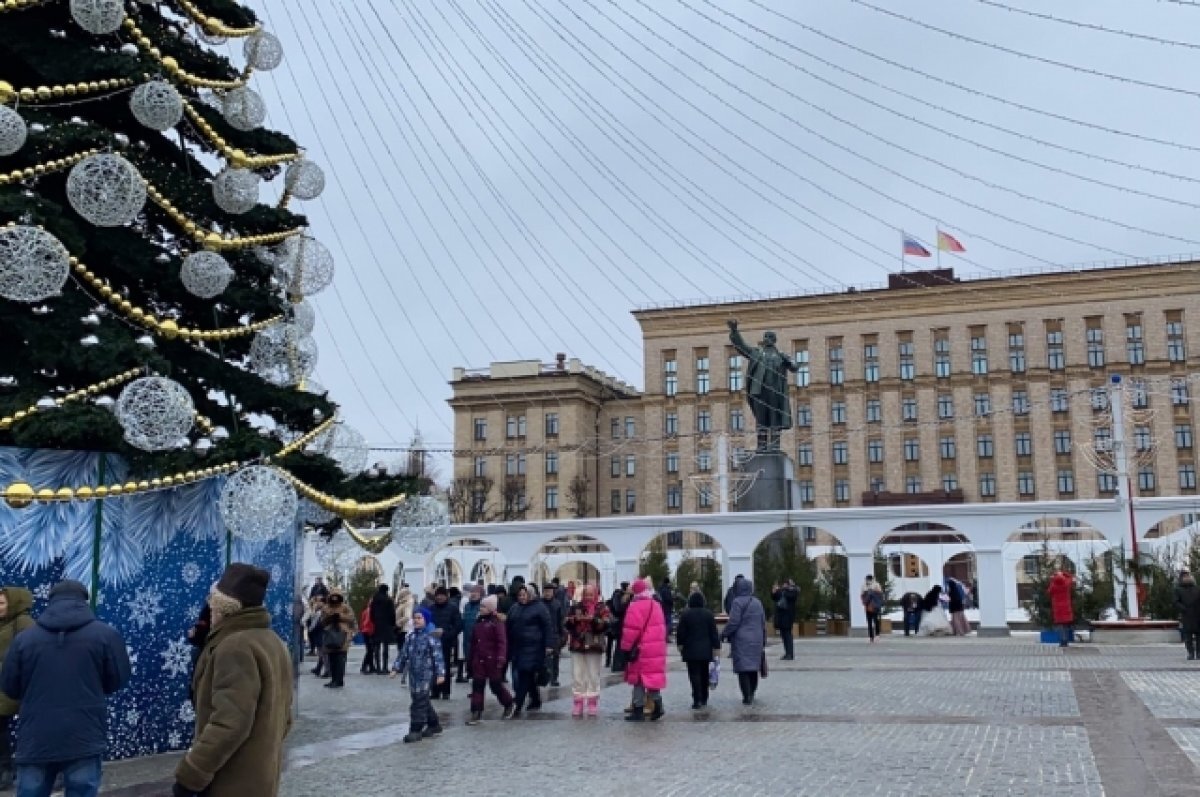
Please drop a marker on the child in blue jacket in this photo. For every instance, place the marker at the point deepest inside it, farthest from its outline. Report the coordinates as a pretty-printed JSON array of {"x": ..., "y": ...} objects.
[{"x": 421, "y": 658}]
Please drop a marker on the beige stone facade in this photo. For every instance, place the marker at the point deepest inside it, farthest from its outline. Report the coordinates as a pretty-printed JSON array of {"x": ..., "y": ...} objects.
[{"x": 993, "y": 387}]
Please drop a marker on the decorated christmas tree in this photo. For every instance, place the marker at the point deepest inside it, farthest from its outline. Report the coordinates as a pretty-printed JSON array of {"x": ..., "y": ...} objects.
[{"x": 153, "y": 304}]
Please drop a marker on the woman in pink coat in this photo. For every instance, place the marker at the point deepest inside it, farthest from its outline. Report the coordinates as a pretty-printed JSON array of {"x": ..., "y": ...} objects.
[{"x": 645, "y": 627}]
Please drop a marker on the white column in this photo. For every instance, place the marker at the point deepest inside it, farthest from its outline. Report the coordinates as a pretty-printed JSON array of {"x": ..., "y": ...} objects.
[
  {"x": 861, "y": 565},
  {"x": 1011, "y": 600},
  {"x": 1116, "y": 400},
  {"x": 415, "y": 576},
  {"x": 515, "y": 569},
  {"x": 723, "y": 472},
  {"x": 733, "y": 567},
  {"x": 993, "y": 583},
  {"x": 626, "y": 570}
]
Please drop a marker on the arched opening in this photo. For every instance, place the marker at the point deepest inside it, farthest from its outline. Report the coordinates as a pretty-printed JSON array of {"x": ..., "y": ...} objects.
[
  {"x": 928, "y": 553},
  {"x": 448, "y": 573},
  {"x": 1041, "y": 547},
  {"x": 685, "y": 556},
  {"x": 1170, "y": 545},
  {"x": 369, "y": 565},
  {"x": 471, "y": 557},
  {"x": 814, "y": 558},
  {"x": 575, "y": 557},
  {"x": 578, "y": 573},
  {"x": 483, "y": 571}
]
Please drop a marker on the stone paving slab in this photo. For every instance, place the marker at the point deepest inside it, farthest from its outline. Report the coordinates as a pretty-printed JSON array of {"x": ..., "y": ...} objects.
[{"x": 1168, "y": 695}]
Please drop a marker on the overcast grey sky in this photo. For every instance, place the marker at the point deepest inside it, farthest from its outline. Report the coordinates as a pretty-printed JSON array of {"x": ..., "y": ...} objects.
[{"x": 507, "y": 179}]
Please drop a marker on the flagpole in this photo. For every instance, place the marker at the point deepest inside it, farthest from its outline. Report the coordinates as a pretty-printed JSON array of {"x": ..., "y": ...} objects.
[
  {"x": 902, "y": 253},
  {"x": 937, "y": 242}
]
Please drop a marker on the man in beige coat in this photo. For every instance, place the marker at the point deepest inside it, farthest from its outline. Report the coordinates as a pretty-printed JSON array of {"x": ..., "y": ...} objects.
[{"x": 243, "y": 685}]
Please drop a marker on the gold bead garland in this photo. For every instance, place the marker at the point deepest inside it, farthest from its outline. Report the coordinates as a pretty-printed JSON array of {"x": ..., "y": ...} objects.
[
  {"x": 21, "y": 494},
  {"x": 303, "y": 440},
  {"x": 29, "y": 95},
  {"x": 235, "y": 157},
  {"x": 6, "y": 422},
  {"x": 172, "y": 67},
  {"x": 56, "y": 165},
  {"x": 211, "y": 240},
  {"x": 215, "y": 26},
  {"x": 346, "y": 507},
  {"x": 20, "y": 5}
]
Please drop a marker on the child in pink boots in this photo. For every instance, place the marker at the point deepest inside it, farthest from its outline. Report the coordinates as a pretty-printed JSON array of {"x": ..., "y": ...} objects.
[{"x": 587, "y": 626}]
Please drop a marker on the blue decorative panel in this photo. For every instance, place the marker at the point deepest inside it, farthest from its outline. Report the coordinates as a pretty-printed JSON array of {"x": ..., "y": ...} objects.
[{"x": 160, "y": 553}]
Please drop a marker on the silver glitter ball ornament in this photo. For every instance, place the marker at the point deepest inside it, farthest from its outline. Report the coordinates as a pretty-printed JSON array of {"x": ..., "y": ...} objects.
[
  {"x": 155, "y": 413},
  {"x": 244, "y": 109},
  {"x": 34, "y": 265},
  {"x": 235, "y": 190},
  {"x": 258, "y": 503},
  {"x": 304, "y": 315},
  {"x": 205, "y": 274},
  {"x": 304, "y": 179},
  {"x": 283, "y": 355},
  {"x": 345, "y": 445},
  {"x": 421, "y": 524},
  {"x": 13, "y": 131},
  {"x": 157, "y": 105},
  {"x": 106, "y": 190},
  {"x": 98, "y": 16},
  {"x": 309, "y": 512},
  {"x": 308, "y": 271},
  {"x": 263, "y": 51}
]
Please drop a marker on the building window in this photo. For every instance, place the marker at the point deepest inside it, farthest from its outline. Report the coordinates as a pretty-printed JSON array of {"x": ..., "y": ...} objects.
[
  {"x": 735, "y": 372},
  {"x": 984, "y": 446},
  {"x": 1141, "y": 438},
  {"x": 838, "y": 411},
  {"x": 614, "y": 426},
  {"x": 1179, "y": 393},
  {"x": 1106, "y": 482},
  {"x": 1102, "y": 438},
  {"x": 1183, "y": 435},
  {"x": 1060, "y": 400},
  {"x": 480, "y": 467},
  {"x": 704, "y": 460},
  {"x": 672, "y": 462},
  {"x": 803, "y": 374},
  {"x": 514, "y": 465},
  {"x": 804, "y": 454},
  {"x": 948, "y": 447},
  {"x": 1062, "y": 441},
  {"x": 804, "y": 415},
  {"x": 841, "y": 491},
  {"x": 551, "y": 499},
  {"x": 671, "y": 424},
  {"x": 630, "y": 465},
  {"x": 874, "y": 411},
  {"x": 1066, "y": 482},
  {"x": 510, "y": 427},
  {"x": 949, "y": 481},
  {"x": 703, "y": 421},
  {"x": 670, "y": 377},
  {"x": 875, "y": 450},
  {"x": 1016, "y": 352},
  {"x": 877, "y": 485},
  {"x": 737, "y": 420},
  {"x": 1023, "y": 444},
  {"x": 702, "y": 376},
  {"x": 1146, "y": 479},
  {"x": 1020, "y": 402},
  {"x": 615, "y": 502},
  {"x": 1024, "y": 483},
  {"x": 912, "y": 485},
  {"x": 1055, "y": 360},
  {"x": 912, "y": 449},
  {"x": 674, "y": 497},
  {"x": 979, "y": 359},
  {"x": 945, "y": 406},
  {"x": 1187, "y": 477},
  {"x": 551, "y": 424},
  {"x": 705, "y": 500},
  {"x": 987, "y": 485},
  {"x": 983, "y": 405},
  {"x": 551, "y": 463},
  {"x": 837, "y": 374},
  {"x": 1135, "y": 346},
  {"x": 631, "y": 500},
  {"x": 1176, "y": 349},
  {"x": 1138, "y": 396},
  {"x": 614, "y": 467},
  {"x": 841, "y": 453},
  {"x": 630, "y": 428},
  {"x": 807, "y": 493},
  {"x": 941, "y": 358},
  {"x": 1095, "y": 347},
  {"x": 1099, "y": 397},
  {"x": 908, "y": 409},
  {"x": 908, "y": 367},
  {"x": 871, "y": 362},
  {"x": 481, "y": 428}
]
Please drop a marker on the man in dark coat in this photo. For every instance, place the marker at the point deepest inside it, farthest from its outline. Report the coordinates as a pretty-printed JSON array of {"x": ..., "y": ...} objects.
[
  {"x": 558, "y": 631},
  {"x": 699, "y": 645},
  {"x": 666, "y": 597},
  {"x": 528, "y": 627},
  {"x": 617, "y": 604},
  {"x": 785, "y": 596},
  {"x": 61, "y": 670},
  {"x": 731, "y": 592},
  {"x": 447, "y": 619},
  {"x": 383, "y": 615},
  {"x": 1187, "y": 601},
  {"x": 319, "y": 590}
]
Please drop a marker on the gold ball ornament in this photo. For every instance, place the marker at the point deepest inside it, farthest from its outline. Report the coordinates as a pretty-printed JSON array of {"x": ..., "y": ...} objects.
[
  {"x": 169, "y": 329},
  {"x": 7, "y": 92},
  {"x": 115, "y": 490},
  {"x": 45, "y": 495},
  {"x": 102, "y": 491},
  {"x": 65, "y": 494},
  {"x": 19, "y": 495},
  {"x": 85, "y": 493}
]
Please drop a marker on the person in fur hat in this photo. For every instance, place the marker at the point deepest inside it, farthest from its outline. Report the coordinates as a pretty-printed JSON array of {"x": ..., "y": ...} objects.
[
  {"x": 243, "y": 685},
  {"x": 421, "y": 659},
  {"x": 487, "y": 659}
]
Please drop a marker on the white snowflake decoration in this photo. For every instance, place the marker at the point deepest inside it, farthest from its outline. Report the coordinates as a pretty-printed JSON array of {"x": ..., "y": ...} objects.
[
  {"x": 174, "y": 740},
  {"x": 34, "y": 265},
  {"x": 106, "y": 190},
  {"x": 263, "y": 51},
  {"x": 13, "y": 131},
  {"x": 421, "y": 524},
  {"x": 41, "y": 592},
  {"x": 155, "y": 413},
  {"x": 177, "y": 658},
  {"x": 304, "y": 315},
  {"x": 346, "y": 446},
  {"x": 133, "y": 658},
  {"x": 258, "y": 503},
  {"x": 304, "y": 179},
  {"x": 156, "y": 104},
  {"x": 244, "y": 109},
  {"x": 190, "y": 574},
  {"x": 205, "y": 274},
  {"x": 276, "y": 574},
  {"x": 98, "y": 16},
  {"x": 283, "y": 355},
  {"x": 308, "y": 271},
  {"x": 144, "y": 607},
  {"x": 235, "y": 190},
  {"x": 187, "y": 712}
]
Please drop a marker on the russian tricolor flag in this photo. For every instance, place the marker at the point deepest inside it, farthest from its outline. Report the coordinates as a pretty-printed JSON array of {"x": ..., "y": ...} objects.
[{"x": 913, "y": 247}]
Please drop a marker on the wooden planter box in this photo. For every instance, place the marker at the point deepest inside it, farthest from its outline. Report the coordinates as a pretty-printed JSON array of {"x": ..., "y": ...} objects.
[
  {"x": 885, "y": 626},
  {"x": 806, "y": 628},
  {"x": 837, "y": 628}
]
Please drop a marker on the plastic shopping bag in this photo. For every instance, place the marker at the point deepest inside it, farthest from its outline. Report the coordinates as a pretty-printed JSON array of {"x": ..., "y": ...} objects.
[{"x": 714, "y": 673}]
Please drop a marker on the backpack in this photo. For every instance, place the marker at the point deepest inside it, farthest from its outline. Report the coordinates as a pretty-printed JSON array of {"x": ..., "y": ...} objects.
[{"x": 365, "y": 624}]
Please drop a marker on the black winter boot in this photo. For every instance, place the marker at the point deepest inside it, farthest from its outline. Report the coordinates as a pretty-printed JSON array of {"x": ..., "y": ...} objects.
[
  {"x": 658, "y": 710},
  {"x": 637, "y": 715}
]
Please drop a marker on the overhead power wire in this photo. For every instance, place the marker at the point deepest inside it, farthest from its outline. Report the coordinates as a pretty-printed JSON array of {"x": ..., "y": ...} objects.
[
  {"x": 961, "y": 87},
  {"x": 1089, "y": 25},
  {"x": 1029, "y": 56}
]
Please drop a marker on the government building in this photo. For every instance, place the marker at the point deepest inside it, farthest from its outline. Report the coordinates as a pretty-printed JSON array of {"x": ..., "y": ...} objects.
[{"x": 933, "y": 389}]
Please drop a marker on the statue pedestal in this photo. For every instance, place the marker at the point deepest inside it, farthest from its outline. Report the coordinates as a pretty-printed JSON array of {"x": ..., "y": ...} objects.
[{"x": 772, "y": 483}]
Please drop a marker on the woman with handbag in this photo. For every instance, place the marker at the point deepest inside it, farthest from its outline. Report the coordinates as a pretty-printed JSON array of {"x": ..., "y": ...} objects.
[
  {"x": 644, "y": 643},
  {"x": 699, "y": 645},
  {"x": 587, "y": 633},
  {"x": 747, "y": 633},
  {"x": 338, "y": 633},
  {"x": 528, "y": 625}
]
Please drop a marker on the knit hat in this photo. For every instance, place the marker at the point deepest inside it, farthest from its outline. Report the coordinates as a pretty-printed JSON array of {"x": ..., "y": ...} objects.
[
  {"x": 69, "y": 588},
  {"x": 244, "y": 583},
  {"x": 639, "y": 586},
  {"x": 491, "y": 603},
  {"x": 441, "y": 591},
  {"x": 428, "y": 615}
]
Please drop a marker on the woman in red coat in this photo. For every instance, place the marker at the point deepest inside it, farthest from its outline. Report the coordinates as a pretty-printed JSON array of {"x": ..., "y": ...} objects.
[
  {"x": 1060, "y": 589},
  {"x": 489, "y": 657},
  {"x": 645, "y": 627}
]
